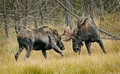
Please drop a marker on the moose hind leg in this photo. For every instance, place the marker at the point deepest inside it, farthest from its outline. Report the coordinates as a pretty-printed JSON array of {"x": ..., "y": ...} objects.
[
  {"x": 88, "y": 47},
  {"x": 18, "y": 52},
  {"x": 101, "y": 45}
]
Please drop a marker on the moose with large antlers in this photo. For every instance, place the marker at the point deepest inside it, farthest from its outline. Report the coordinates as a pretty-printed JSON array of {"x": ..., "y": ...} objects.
[{"x": 86, "y": 31}]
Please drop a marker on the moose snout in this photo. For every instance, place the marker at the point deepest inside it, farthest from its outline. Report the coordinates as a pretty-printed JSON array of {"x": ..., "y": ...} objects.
[{"x": 76, "y": 49}]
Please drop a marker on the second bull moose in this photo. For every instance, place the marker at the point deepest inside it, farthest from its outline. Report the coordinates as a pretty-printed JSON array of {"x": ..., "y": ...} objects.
[
  {"x": 43, "y": 38},
  {"x": 86, "y": 31}
]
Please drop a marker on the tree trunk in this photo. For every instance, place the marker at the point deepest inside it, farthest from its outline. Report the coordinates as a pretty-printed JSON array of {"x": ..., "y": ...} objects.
[
  {"x": 35, "y": 21},
  {"x": 5, "y": 21},
  {"x": 21, "y": 15},
  {"x": 26, "y": 12},
  {"x": 17, "y": 29},
  {"x": 91, "y": 9},
  {"x": 85, "y": 8},
  {"x": 68, "y": 16},
  {"x": 101, "y": 12},
  {"x": 41, "y": 14}
]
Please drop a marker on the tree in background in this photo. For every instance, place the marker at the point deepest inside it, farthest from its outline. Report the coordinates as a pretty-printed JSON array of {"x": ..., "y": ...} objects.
[
  {"x": 33, "y": 13},
  {"x": 5, "y": 20},
  {"x": 68, "y": 16}
]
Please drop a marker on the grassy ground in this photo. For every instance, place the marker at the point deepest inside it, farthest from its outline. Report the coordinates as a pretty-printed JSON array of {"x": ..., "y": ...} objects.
[{"x": 72, "y": 63}]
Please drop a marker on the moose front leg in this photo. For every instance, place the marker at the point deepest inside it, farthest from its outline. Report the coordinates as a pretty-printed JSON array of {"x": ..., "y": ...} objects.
[
  {"x": 55, "y": 47},
  {"x": 79, "y": 50},
  {"x": 88, "y": 47},
  {"x": 44, "y": 53}
]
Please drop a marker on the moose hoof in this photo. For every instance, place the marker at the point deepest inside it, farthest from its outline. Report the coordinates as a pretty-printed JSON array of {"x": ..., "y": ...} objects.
[{"x": 16, "y": 57}]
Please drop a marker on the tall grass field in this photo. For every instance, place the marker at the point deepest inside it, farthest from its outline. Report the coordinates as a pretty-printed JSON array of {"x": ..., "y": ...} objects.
[{"x": 71, "y": 63}]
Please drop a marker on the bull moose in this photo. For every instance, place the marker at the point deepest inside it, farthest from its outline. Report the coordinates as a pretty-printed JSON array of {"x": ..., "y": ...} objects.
[
  {"x": 85, "y": 31},
  {"x": 43, "y": 38}
]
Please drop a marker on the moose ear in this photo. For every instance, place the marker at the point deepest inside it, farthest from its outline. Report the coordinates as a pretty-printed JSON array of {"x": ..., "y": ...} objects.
[{"x": 55, "y": 32}]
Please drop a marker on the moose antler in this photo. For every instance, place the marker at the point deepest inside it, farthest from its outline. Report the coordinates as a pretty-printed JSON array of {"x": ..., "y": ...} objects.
[{"x": 67, "y": 32}]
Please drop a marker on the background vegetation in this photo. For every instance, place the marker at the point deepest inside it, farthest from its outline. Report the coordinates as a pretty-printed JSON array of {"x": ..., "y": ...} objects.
[{"x": 16, "y": 15}]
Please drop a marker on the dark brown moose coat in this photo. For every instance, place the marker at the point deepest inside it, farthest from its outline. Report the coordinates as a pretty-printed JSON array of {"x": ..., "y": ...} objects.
[
  {"x": 86, "y": 31},
  {"x": 43, "y": 38}
]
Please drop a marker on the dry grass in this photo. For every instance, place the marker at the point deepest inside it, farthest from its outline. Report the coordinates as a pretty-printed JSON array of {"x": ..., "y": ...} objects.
[{"x": 72, "y": 63}]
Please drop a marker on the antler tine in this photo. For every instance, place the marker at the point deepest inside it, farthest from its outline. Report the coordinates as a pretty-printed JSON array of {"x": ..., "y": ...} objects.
[
  {"x": 63, "y": 34},
  {"x": 70, "y": 37},
  {"x": 67, "y": 32}
]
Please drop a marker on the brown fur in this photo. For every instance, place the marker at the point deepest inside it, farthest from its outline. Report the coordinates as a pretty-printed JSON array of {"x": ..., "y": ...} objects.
[
  {"x": 34, "y": 32},
  {"x": 86, "y": 31},
  {"x": 85, "y": 24},
  {"x": 43, "y": 38}
]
